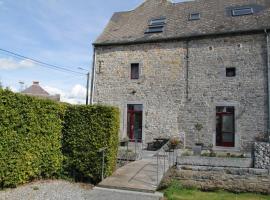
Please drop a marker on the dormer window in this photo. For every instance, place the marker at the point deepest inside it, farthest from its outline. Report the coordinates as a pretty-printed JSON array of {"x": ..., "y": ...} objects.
[
  {"x": 156, "y": 25},
  {"x": 242, "y": 11},
  {"x": 194, "y": 16}
]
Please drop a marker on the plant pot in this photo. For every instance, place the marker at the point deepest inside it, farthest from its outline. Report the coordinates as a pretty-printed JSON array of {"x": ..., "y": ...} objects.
[
  {"x": 197, "y": 150},
  {"x": 199, "y": 144}
]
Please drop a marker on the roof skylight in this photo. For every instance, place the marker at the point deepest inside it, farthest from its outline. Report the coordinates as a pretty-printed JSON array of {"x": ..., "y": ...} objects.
[
  {"x": 156, "y": 25},
  {"x": 242, "y": 11},
  {"x": 194, "y": 16}
]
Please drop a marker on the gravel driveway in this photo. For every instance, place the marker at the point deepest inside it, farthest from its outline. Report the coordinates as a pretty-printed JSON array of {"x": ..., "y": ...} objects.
[
  {"x": 63, "y": 190},
  {"x": 48, "y": 190}
]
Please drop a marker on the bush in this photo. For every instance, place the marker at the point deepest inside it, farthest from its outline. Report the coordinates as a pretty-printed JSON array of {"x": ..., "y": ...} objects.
[
  {"x": 30, "y": 138},
  {"x": 86, "y": 130}
]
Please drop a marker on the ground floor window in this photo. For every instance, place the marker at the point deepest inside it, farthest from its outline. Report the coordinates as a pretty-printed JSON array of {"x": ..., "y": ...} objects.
[
  {"x": 225, "y": 126},
  {"x": 134, "y": 122}
]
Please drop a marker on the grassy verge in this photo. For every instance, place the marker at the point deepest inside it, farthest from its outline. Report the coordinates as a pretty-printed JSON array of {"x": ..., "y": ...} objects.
[{"x": 176, "y": 192}]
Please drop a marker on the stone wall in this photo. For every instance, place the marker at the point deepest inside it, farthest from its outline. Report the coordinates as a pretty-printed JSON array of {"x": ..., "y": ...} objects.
[
  {"x": 262, "y": 155},
  {"x": 178, "y": 92},
  {"x": 213, "y": 178}
]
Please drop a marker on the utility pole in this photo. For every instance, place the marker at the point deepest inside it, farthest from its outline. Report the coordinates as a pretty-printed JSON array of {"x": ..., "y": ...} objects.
[
  {"x": 87, "y": 89},
  {"x": 87, "y": 85}
]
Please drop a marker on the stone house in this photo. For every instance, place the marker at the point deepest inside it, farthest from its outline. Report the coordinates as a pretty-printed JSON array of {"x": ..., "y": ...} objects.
[
  {"x": 198, "y": 67},
  {"x": 36, "y": 90}
]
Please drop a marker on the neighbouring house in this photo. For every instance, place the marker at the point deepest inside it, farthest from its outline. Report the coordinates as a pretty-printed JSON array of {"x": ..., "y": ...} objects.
[
  {"x": 198, "y": 67},
  {"x": 38, "y": 91}
]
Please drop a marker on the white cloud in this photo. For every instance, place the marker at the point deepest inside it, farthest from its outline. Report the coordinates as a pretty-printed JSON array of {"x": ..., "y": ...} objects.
[
  {"x": 75, "y": 96},
  {"x": 78, "y": 91},
  {"x": 11, "y": 64}
]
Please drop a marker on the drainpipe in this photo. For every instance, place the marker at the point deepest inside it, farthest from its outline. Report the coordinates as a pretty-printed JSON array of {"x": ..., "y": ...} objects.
[
  {"x": 187, "y": 71},
  {"x": 268, "y": 79},
  {"x": 93, "y": 76}
]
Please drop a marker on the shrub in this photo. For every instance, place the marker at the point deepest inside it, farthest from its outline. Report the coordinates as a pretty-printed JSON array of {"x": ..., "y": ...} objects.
[
  {"x": 30, "y": 138},
  {"x": 86, "y": 130}
]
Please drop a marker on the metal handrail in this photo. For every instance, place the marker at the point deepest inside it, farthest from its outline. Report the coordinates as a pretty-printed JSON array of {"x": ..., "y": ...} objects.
[
  {"x": 164, "y": 152},
  {"x": 136, "y": 148}
]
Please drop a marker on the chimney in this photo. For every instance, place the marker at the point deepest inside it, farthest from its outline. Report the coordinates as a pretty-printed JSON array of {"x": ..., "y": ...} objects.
[{"x": 35, "y": 82}]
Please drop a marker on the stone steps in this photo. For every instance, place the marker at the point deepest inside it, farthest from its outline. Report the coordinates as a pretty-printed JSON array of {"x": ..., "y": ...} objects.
[{"x": 215, "y": 161}]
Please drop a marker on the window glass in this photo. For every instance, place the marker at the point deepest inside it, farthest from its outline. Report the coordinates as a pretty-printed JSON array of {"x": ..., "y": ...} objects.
[
  {"x": 227, "y": 123},
  {"x": 135, "y": 71}
]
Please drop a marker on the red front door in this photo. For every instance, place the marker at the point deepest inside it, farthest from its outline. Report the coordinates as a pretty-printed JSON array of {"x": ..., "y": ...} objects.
[
  {"x": 134, "y": 122},
  {"x": 225, "y": 129}
]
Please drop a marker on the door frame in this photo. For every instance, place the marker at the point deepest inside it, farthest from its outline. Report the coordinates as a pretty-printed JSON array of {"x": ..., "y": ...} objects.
[
  {"x": 222, "y": 143},
  {"x": 236, "y": 106},
  {"x": 125, "y": 118}
]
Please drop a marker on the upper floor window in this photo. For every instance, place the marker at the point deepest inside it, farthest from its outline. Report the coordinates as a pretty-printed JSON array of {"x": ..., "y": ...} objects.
[
  {"x": 194, "y": 16},
  {"x": 230, "y": 72},
  {"x": 242, "y": 11},
  {"x": 156, "y": 25},
  {"x": 135, "y": 71}
]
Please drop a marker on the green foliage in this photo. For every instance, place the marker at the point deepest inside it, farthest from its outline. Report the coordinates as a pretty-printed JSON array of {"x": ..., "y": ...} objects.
[
  {"x": 44, "y": 139},
  {"x": 87, "y": 129},
  {"x": 30, "y": 138},
  {"x": 177, "y": 192}
]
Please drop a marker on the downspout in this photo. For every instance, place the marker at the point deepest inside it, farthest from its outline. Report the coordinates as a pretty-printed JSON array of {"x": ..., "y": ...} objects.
[
  {"x": 187, "y": 71},
  {"x": 268, "y": 80},
  {"x": 93, "y": 74}
]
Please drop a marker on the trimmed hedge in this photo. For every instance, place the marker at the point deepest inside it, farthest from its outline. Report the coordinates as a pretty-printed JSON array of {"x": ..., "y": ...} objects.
[
  {"x": 86, "y": 130},
  {"x": 45, "y": 139},
  {"x": 30, "y": 138}
]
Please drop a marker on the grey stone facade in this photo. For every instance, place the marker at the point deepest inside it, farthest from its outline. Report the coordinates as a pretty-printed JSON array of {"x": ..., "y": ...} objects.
[
  {"x": 178, "y": 92},
  {"x": 262, "y": 155}
]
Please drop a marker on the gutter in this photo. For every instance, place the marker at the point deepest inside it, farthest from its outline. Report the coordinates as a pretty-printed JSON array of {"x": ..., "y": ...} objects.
[
  {"x": 93, "y": 74},
  {"x": 181, "y": 38},
  {"x": 187, "y": 70},
  {"x": 268, "y": 79}
]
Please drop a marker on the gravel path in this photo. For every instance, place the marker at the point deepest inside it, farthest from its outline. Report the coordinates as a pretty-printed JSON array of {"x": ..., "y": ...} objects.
[
  {"x": 63, "y": 190},
  {"x": 48, "y": 190}
]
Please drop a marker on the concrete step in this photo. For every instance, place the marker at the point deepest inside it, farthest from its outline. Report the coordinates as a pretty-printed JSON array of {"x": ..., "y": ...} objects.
[{"x": 116, "y": 194}]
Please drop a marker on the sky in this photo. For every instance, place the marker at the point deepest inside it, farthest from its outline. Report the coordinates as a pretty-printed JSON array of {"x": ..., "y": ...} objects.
[{"x": 58, "y": 32}]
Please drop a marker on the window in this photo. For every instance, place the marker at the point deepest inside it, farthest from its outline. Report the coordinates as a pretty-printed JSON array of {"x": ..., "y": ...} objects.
[
  {"x": 242, "y": 11},
  {"x": 135, "y": 71},
  {"x": 225, "y": 126},
  {"x": 156, "y": 22},
  {"x": 230, "y": 72},
  {"x": 156, "y": 25},
  {"x": 194, "y": 16}
]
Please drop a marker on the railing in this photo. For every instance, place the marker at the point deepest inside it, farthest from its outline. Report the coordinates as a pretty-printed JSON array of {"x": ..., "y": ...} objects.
[
  {"x": 132, "y": 151},
  {"x": 102, "y": 150},
  {"x": 165, "y": 158}
]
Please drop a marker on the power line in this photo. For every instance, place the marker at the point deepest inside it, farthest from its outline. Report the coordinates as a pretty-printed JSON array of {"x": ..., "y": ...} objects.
[{"x": 43, "y": 64}]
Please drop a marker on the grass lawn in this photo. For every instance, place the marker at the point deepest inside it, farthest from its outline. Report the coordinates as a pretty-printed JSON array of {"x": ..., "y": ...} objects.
[{"x": 176, "y": 192}]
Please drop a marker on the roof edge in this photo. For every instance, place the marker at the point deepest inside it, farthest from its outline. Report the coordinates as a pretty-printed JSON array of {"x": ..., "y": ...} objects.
[{"x": 252, "y": 31}]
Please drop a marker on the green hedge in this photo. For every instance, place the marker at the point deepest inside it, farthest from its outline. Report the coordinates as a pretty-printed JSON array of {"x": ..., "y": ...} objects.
[
  {"x": 86, "y": 130},
  {"x": 30, "y": 138},
  {"x": 44, "y": 139}
]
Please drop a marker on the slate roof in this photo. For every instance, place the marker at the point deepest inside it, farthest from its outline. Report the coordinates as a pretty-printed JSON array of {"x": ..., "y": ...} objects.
[
  {"x": 35, "y": 90},
  {"x": 130, "y": 27}
]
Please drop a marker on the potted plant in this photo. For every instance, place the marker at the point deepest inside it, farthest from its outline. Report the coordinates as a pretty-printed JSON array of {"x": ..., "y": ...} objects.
[
  {"x": 174, "y": 142},
  {"x": 197, "y": 149}
]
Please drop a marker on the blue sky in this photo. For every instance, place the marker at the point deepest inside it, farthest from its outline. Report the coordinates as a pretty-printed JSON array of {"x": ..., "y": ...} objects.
[{"x": 59, "y": 32}]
